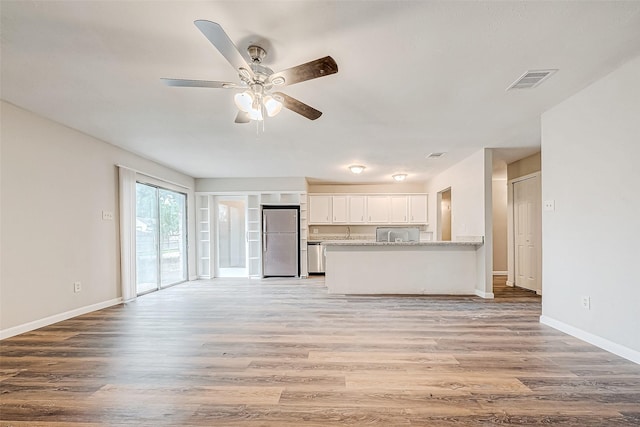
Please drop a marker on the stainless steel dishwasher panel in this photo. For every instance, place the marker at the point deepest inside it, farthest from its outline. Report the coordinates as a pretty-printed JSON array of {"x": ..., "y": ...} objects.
[{"x": 316, "y": 257}]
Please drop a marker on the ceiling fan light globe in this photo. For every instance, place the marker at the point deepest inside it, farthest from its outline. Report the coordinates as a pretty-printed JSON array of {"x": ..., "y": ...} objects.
[
  {"x": 255, "y": 114},
  {"x": 244, "y": 101},
  {"x": 272, "y": 106}
]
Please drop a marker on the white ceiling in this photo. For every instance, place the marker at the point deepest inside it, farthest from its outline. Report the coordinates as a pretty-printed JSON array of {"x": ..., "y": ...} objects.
[{"x": 414, "y": 77}]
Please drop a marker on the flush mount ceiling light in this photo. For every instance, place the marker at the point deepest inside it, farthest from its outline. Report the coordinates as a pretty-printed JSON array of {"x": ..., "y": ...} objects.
[
  {"x": 435, "y": 155},
  {"x": 399, "y": 177},
  {"x": 357, "y": 169}
]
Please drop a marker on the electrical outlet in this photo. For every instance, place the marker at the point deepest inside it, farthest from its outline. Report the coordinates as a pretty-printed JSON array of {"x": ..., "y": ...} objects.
[
  {"x": 586, "y": 302},
  {"x": 550, "y": 205},
  {"x": 107, "y": 215},
  {"x": 77, "y": 287}
]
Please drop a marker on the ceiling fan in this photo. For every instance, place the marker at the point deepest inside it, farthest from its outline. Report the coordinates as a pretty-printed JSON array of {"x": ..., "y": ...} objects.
[{"x": 260, "y": 83}]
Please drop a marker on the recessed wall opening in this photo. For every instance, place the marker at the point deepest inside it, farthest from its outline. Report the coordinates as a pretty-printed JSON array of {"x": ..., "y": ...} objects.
[{"x": 444, "y": 214}]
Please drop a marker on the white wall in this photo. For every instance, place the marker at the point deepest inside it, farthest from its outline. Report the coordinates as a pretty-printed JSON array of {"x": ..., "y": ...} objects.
[
  {"x": 591, "y": 242},
  {"x": 467, "y": 196},
  {"x": 231, "y": 185},
  {"x": 55, "y": 184},
  {"x": 499, "y": 197},
  {"x": 471, "y": 205}
]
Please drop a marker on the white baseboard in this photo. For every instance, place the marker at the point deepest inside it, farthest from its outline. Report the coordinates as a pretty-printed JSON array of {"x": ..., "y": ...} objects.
[
  {"x": 36, "y": 324},
  {"x": 483, "y": 294},
  {"x": 500, "y": 273},
  {"x": 603, "y": 343},
  {"x": 509, "y": 283}
]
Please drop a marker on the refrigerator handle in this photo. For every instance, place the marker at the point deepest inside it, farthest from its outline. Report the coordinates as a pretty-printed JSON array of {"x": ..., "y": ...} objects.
[
  {"x": 264, "y": 242},
  {"x": 264, "y": 223}
]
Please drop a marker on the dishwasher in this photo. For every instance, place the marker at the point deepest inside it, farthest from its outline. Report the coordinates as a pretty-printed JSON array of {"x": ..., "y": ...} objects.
[{"x": 316, "y": 253}]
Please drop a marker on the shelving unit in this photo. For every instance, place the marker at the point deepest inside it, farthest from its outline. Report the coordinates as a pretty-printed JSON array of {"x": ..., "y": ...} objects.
[
  {"x": 255, "y": 201},
  {"x": 204, "y": 237},
  {"x": 254, "y": 235}
]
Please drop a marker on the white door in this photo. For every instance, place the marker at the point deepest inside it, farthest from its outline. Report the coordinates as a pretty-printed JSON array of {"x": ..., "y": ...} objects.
[
  {"x": 320, "y": 210},
  {"x": 526, "y": 213},
  {"x": 378, "y": 209},
  {"x": 356, "y": 209},
  {"x": 418, "y": 209},
  {"x": 399, "y": 209},
  {"x": 339, "y": 209}
]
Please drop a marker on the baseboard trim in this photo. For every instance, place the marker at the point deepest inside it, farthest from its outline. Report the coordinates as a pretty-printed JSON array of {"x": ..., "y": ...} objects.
[
  {"x": 511, "y": 284},
  {"x": 500, "y": 273},
  {"x": 483, "y": 294},
  {"x": 605, "y": 344},
  {"x": 36, "y": 324}
]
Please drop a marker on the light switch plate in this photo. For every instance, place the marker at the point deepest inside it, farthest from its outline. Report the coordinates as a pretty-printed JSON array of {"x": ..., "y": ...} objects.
[
  {"x": 107, "y": 215},
  {"x": 550, "y": 205}
]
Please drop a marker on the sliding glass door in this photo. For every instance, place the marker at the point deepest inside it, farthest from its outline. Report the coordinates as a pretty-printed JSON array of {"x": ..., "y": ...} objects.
[{"x": 161, "y": 238}]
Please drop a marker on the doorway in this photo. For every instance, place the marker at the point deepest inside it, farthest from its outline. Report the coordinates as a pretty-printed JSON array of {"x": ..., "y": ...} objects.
[
  {"x": 161, "y": 238},
  {"x": 444, "y": 215},
  {"x": 527, "y": 232},
  {"x": 231, "y": 236}
]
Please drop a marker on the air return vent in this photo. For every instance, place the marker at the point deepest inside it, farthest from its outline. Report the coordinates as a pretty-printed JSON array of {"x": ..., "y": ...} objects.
[{"x": 531, "y": 79}]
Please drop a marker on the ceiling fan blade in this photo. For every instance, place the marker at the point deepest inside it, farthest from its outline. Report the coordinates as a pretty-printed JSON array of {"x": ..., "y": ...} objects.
[
  {"x": 311, "y": 70},
  {"x": 297, "y": 106},
  {"x": 199, "y": 83},
  {"x": 242, "y": 117},
  {"x": 216, "y": 35}
]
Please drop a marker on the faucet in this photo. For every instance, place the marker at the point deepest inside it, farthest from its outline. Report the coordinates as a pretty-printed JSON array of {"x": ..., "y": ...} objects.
[{"x": 348, "y": 232}]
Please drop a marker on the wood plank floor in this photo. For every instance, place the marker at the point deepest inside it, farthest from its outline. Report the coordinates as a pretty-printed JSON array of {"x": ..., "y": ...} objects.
[{"x": 284, "y": 353}]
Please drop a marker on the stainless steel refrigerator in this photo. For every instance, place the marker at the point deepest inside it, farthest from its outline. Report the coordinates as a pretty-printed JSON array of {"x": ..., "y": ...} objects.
[{"x": 280, "y": 242}]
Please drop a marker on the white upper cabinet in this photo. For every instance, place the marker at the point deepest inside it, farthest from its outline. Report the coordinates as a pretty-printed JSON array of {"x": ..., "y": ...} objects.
[
  {"x": 320, "y": 211},
  {"x": 399, "y": 209},
  {"x": 378, "y": 209},
  {"x": 339, "y": 209},
  {"x": 375, "y": 209},
  {"x": 357, "y": 211},
  {"x": 418, "y": 209}
]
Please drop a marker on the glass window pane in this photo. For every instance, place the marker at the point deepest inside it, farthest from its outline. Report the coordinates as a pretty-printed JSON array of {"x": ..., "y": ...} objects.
[
  {"x": 231, "y": 234},
  {"x": 146, "y": 238},
  {"x": 173, "y": 237}
]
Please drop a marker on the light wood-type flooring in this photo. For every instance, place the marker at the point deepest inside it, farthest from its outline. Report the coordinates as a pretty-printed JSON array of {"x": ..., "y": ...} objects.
[{"x": 281, "y": 352}]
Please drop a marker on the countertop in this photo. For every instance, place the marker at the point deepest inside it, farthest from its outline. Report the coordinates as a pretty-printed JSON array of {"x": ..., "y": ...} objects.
[{"x": 373, "y": 243}]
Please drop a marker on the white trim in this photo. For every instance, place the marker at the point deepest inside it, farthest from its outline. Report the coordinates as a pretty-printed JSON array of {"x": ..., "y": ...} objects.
[
  {"x": 483, "y": 294},
  {"x": 36, "y": 324},
  {"x": 524, "y": 177},
  {"x": 603, "y": 343},
  {"x": 154, "y": 177},
  {"x": 510, "y": 283},
  {"x": 500, "y": 273}
]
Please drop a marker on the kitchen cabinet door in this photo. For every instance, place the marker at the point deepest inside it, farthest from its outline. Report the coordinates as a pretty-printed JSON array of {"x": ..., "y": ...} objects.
[
  {"x": 320, "y": 210},
  {"x": 339, "y": 209},
  {"x": 378, "y": 209},
  {"x": 399, "y": 209},
  {"x": 418, "y": 209},
  {"x": 357, "y": 211}
]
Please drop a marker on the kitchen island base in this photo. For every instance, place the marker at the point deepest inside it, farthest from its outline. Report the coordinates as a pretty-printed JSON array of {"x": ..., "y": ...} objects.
[{"x": 425, "y": 268}]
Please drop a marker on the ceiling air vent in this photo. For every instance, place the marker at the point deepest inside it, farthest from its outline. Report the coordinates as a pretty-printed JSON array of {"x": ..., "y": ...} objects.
[
  {"x": 435, "y": 155},
  {"x": 531, "y": 79}
]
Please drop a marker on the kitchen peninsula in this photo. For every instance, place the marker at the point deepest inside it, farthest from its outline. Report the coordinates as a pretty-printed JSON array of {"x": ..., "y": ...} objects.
[{"x": 432, "y": 267}]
